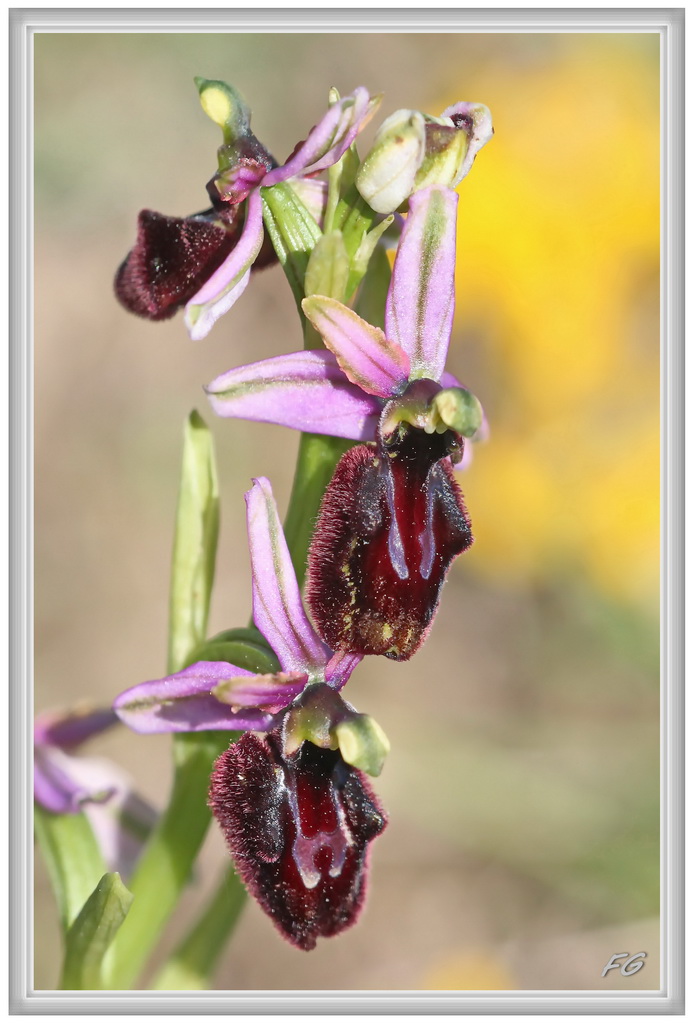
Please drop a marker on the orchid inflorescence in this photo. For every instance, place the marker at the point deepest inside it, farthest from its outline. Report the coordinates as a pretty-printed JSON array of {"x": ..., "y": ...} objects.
[{"x": 373, "y": 533}]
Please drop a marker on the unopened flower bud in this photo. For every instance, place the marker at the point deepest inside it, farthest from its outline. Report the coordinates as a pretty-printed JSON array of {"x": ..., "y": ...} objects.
[{"x": 386, "y": 177}]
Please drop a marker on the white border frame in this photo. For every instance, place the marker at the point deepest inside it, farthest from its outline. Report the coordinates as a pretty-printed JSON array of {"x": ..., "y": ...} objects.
[{"x": 24, "y": 23}]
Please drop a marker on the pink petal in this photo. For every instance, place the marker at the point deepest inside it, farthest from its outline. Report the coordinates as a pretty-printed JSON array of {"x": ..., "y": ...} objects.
[
  {"x": 183, "y": 702},
  {"x": 226, "y": 284},
  {"x": 369, "y": 360},
  {"x": 304, "y": 390},
  {"x": 330, "y": 138},
  {"x": 277, "y": 607},
  {"x": 421, "y": 299}
]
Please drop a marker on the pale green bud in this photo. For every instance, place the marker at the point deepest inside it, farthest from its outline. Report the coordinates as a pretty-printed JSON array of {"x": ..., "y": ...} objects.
[{"x": 386, "y": 176}]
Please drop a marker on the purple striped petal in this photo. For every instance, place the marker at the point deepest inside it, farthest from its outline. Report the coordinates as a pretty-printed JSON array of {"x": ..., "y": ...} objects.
[
  {"x": 304, "y": 390},
  {"x": 277, "y": 607},
  {"x": 226, "y": 284},
  {"x": 183, "y": 702},
  {"x": 378, "y": 366},
  {"x": 329, "y": 140},
  {"x": 421, "y": 299}
]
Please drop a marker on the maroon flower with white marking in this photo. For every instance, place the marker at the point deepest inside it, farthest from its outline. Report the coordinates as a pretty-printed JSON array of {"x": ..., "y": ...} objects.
[
  {"x": 393, "y": 517},
  {"x": 296, "y": 810}
]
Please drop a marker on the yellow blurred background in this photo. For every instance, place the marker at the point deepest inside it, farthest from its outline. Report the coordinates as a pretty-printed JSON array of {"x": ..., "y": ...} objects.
[{"x": 522, "y": 788}]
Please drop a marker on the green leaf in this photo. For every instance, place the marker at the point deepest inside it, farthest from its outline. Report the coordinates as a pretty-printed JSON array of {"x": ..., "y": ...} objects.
[
  {"x": 92, "y": 932},
  {"x": 328, "y": 268},
  {"x": 192, "y": 964},
  {"x": 239, "y": 653},
  {"x": 72, "y": 857},
  {"x": 293, "y": 233},
  {"x": 195, "y": 543}
]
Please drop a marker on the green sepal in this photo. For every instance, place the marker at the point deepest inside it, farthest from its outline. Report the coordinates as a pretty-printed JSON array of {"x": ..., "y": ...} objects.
[
  {"x": 293, "y": 233},
  {"x": 195, "y": 543},
  {"x": 92, "y": 932}
]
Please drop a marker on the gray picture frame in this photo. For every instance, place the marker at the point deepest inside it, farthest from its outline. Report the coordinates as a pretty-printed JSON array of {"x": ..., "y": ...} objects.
[{"x": 24, "y": 24}]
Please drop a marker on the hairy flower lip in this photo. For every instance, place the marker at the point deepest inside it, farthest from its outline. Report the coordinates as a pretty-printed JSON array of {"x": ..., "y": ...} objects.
[
  {"x": 299, "y": 829},
  {"x": 390, "y": 524}
]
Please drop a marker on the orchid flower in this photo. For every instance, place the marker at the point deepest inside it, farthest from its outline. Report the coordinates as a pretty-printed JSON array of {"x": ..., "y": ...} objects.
[
  {"x": 296, "y": 811},
  {"x": 204, "y": 261},
  {"x": 393, "y": 518},
  {"x": 67, "y": 784}
]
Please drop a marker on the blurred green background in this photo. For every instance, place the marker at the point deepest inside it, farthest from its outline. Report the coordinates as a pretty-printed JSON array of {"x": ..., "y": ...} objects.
[{"x": 523, "y": 784}]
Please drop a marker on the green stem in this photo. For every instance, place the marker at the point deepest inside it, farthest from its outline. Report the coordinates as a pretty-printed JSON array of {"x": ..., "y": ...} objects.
[{"x": 193, "y": 962}]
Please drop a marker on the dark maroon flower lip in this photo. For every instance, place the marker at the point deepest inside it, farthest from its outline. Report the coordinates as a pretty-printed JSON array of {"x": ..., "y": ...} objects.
[
  {"x": 299, "y": 829},
  {"x": 172, "y": 257},
  {"x": 391, "y": 522}
]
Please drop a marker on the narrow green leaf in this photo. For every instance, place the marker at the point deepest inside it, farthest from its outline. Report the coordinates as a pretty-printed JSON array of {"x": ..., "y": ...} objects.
[
  {"x": 192, "y": 964},
  {"x": 72, "y": 857},
  {"x": 195, "y": 543},
  {"x": 354, "y": 218},
  {"x": 92, "y": 932}
]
